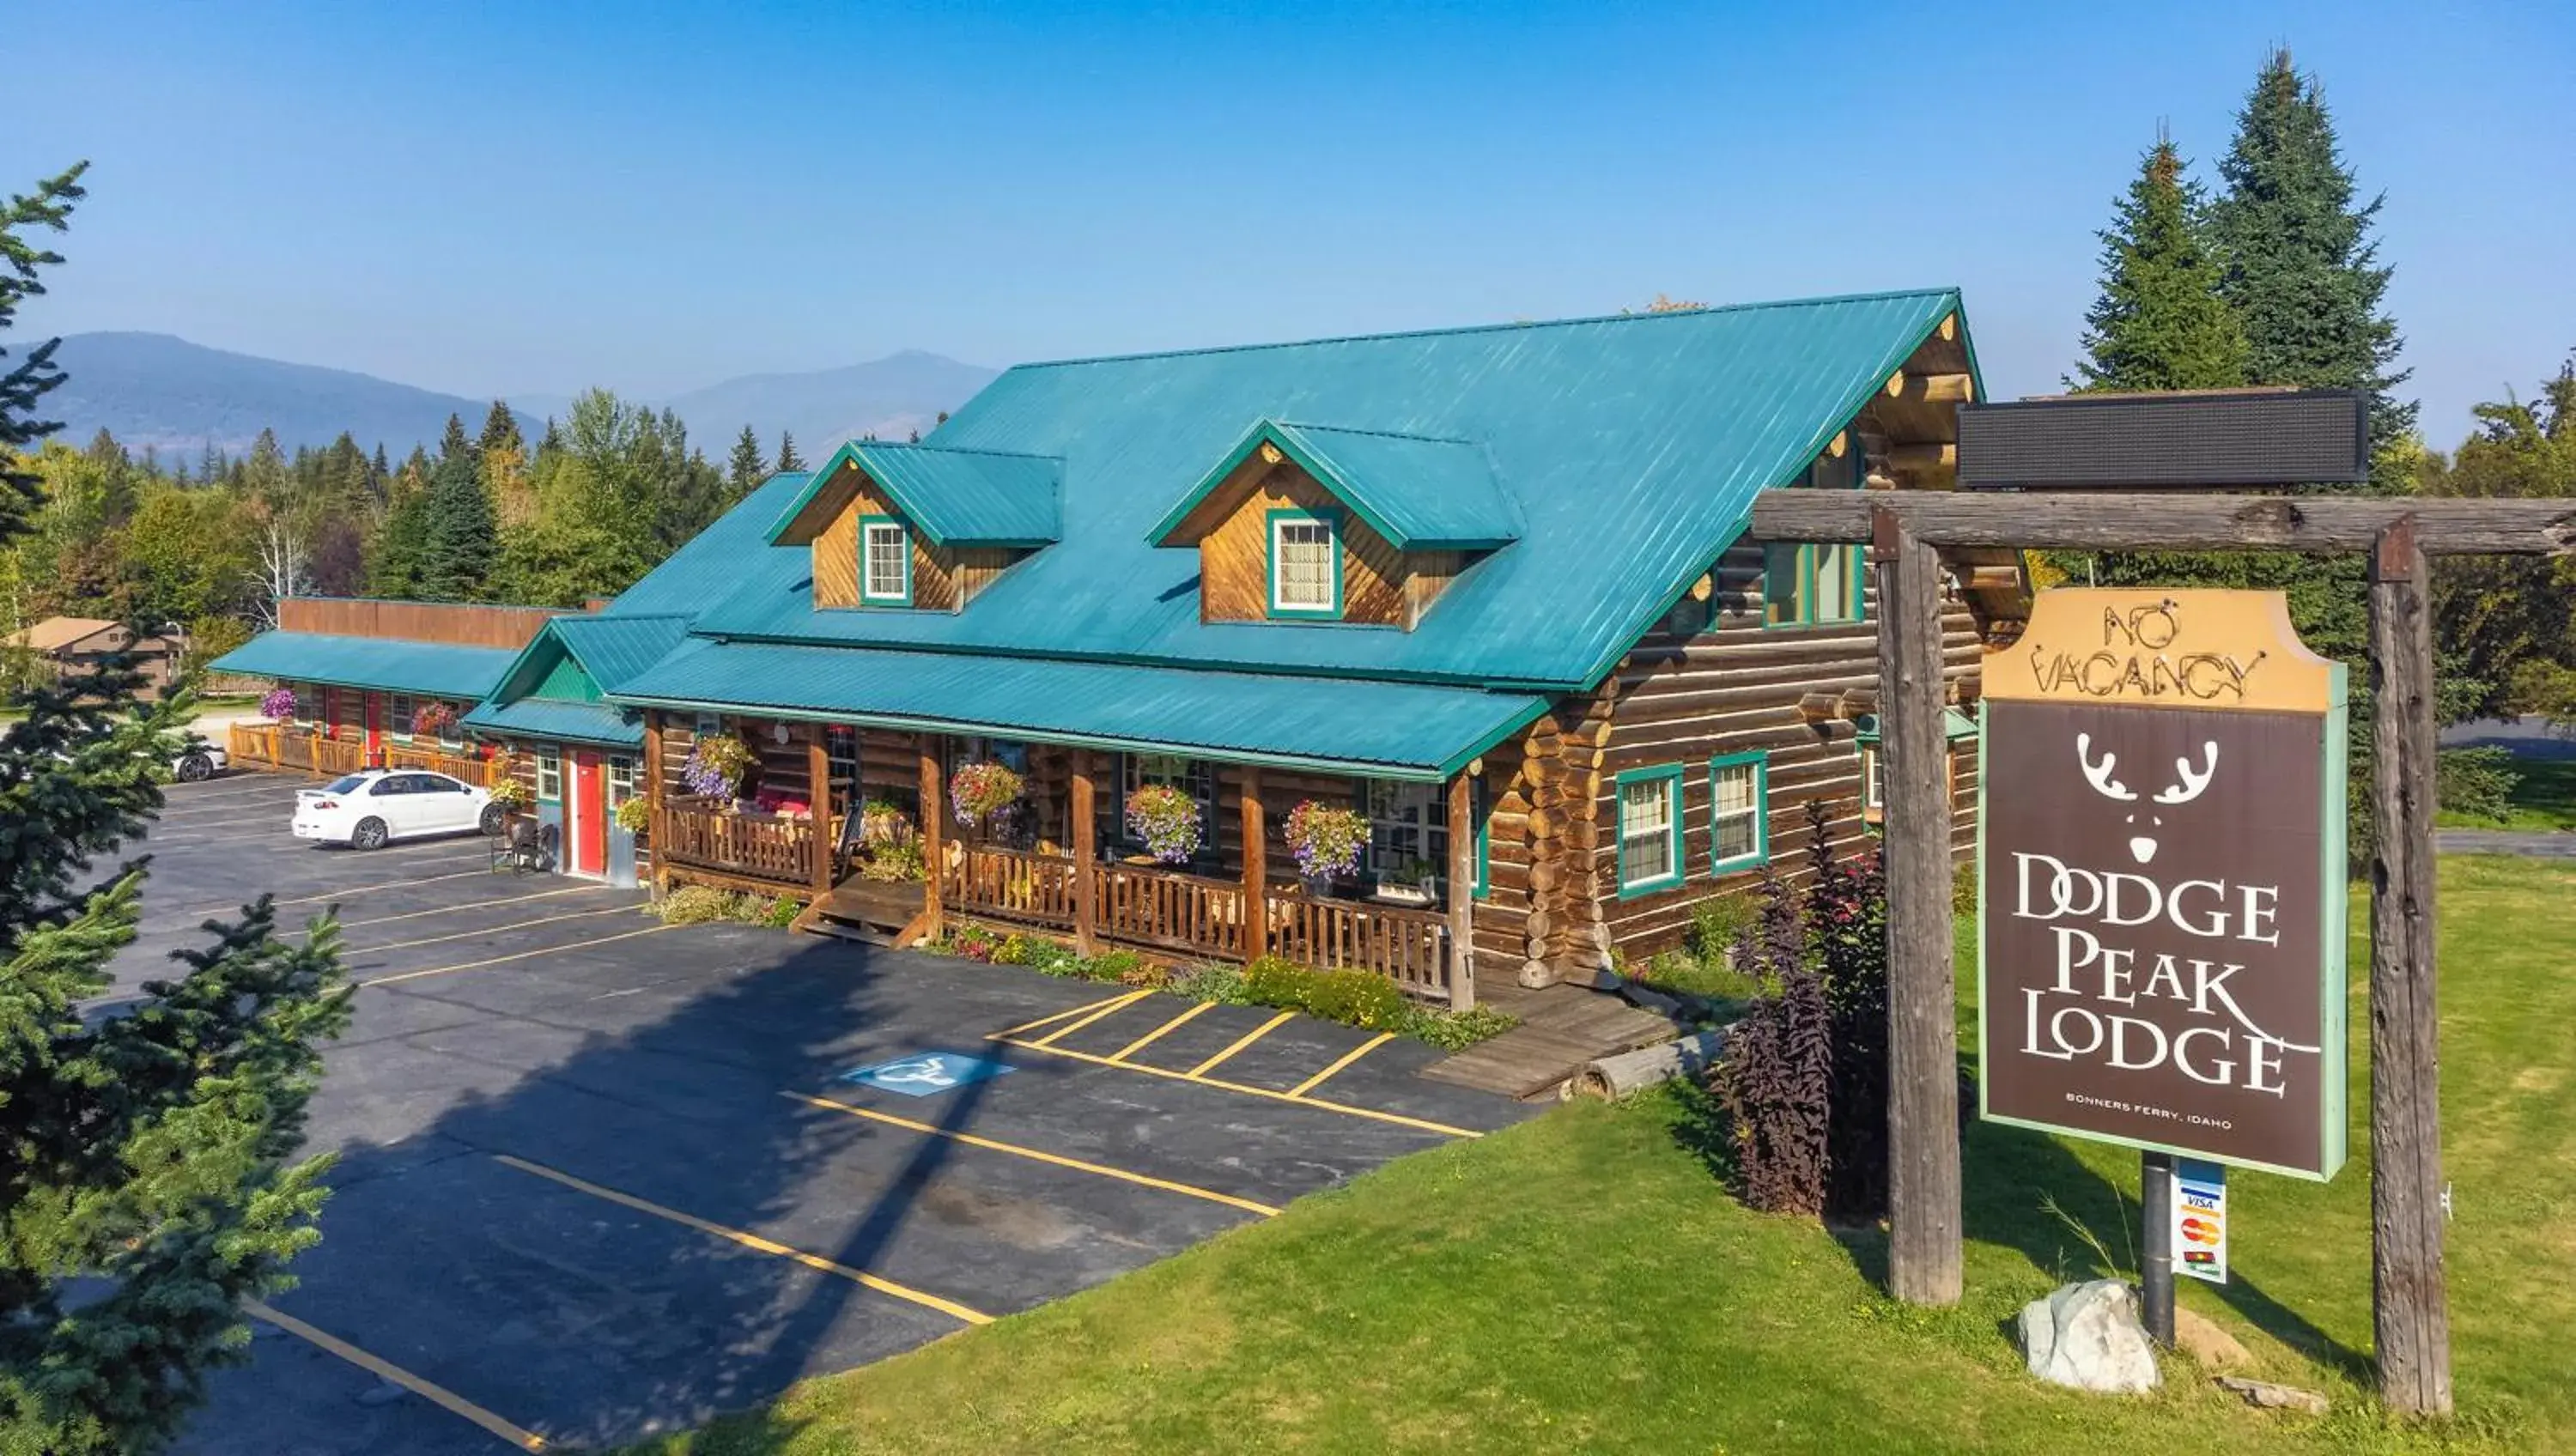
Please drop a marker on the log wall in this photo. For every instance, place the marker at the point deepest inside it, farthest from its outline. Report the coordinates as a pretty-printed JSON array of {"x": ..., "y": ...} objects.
[
  {"x": 1380, "y": 584},
  {"x": 944, "y": 578}
]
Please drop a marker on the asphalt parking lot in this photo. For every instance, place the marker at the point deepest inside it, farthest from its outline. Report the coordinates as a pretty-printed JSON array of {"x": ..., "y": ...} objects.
[{"x": 598, "y": 1177}]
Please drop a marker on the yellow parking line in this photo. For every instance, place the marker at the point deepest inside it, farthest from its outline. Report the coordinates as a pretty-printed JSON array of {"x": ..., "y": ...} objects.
[
  {"x": 522, "y": 955},
  {"x": 470, "y": 905},
  {"x": 1353, "y": 1055},
  {"x": 1108, "y": 1008},
  {"x": 1247, "y": 1039},
  {"x": 436, "y": 1394},
  {"x": 752, "y": 1241},
  {"x": 348, "y": 894},
  {"x": 1059, "y": 1160},
  {"x": 1053, "y": 1017},
  {"x": 1145, "y": 1069},
  {"x": 488, "y": 930},
  {"x": 1149, "y": 1038}
]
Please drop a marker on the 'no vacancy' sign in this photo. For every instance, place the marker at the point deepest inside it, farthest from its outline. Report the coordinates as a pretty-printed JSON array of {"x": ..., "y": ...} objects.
[{"x": 2161, "y": 879}]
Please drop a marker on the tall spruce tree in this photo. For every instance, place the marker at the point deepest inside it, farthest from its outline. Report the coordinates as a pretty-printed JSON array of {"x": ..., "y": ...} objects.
[
  {"x": 2159, "y": 322},
  {"x": 453, "y": 443},
  {"x": 2301, "y": 269},
  {"x": 788, "y": 459},
  {"x": 459, "y": 539},
  {"x": 748, "y": 467},
  {"x": 148, "y": 1190}
]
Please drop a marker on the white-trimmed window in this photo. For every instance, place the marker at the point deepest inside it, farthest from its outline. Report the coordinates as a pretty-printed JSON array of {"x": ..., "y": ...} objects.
[
  {"x": 1410, "y": 822},
  {"x": 1873, "y": 783},
  {"x": 1195, "y": 777},
  {"x": 1739, "y": 816},
  {"x": 305, "y": 696},
  {"x": 885, "y": 561},
  {"x": 399, "y": 712},
  {"x": 621, "y": 782},
  {"x": 451, "y": 727},
  {"x": 707, "y": 726},
  {"x": 550, "y": 775},
  {"x": 1305, "y": 564},
  {"x": 1650, "y": 829}
]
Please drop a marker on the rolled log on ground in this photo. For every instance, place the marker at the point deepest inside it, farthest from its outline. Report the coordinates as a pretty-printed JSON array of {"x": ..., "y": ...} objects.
[{"x": 1628, "y": 1072}]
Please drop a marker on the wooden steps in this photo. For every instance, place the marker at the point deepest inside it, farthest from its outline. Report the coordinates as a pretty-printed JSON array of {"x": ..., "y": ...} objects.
[
  {"x": 873, "y": 912},
  {"x": 1562, "y": 1027}
]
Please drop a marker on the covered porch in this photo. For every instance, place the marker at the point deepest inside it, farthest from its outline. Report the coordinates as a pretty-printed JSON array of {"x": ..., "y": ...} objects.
[
  {"x": 316, "y": 749},
  {"x": 836, "y": 812}
]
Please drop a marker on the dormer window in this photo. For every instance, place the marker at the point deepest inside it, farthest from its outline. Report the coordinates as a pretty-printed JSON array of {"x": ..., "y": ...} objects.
[
  {"x": 1305, "y": 564},
  {"x": 885, "y": 562}
]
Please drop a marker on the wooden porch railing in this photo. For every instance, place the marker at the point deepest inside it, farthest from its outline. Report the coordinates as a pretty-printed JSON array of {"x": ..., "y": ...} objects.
[
  {"x": 759, "y": 847},
  {"x": 1193, "y": 915},
  {"x": 281, "y": 745},
  {"x": 454, "y": 762}
]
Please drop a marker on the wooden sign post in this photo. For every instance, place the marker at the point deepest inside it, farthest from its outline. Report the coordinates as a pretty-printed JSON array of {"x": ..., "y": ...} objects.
[{"x": 2406, "y": 1181}]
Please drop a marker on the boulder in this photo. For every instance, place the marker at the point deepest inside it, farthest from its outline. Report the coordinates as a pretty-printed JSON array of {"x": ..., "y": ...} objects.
[
  {"x": 2265, "y": 1394},
  {"x": 2088, "y": 1336},
  {"x": 2200, "y": 1337}
]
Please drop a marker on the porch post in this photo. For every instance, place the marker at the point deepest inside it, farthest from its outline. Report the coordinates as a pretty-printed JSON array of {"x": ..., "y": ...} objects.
[
  {"x": 1256, "y": 869},
  {"x": 1086, "y": 853},
  {"x": 653, "y": 794},
  {"x": 1462, "y": 896},
  {"x": 934, "y": 865},
  {"x": 818, "y": 797}
]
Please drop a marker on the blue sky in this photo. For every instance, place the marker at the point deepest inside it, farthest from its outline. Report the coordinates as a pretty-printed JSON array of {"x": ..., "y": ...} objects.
[{"x": 544, "y": 196}]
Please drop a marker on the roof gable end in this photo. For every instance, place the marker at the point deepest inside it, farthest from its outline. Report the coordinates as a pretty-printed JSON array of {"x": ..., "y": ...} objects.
[
  {"x": 1421, "y": 492},
  {"x": 953, "y": 497}
]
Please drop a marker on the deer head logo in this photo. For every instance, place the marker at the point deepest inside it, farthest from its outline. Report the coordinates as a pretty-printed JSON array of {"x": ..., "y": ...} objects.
[{"x": 2187, "y": 786}]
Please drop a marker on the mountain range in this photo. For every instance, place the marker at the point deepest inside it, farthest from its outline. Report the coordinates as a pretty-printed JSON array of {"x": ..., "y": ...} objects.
[{"x": 161, "y": 391}]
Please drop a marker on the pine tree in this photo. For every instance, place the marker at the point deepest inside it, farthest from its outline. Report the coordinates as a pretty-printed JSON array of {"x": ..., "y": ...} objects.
[
  {"x": 148, "y": 1151},
  {"x": 453, "y": 443},
  {"x": 402, "y": 541},
  {"x": 501, "y": 455},
  {"x": 747, "y": 469},
  {"x": 2158, "y": 322},
  {"x": 788, "y": 459},
  {"x": 2301, "y": 268},
  {"x": 500, "y": 431},
  {"x": 459, "y": 541}
]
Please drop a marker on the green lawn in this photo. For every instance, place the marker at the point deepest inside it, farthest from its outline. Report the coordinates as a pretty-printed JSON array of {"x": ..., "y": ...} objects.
[
  {"x": 2544, "y": 799},
  {"x": 1581, "y": 1284}
]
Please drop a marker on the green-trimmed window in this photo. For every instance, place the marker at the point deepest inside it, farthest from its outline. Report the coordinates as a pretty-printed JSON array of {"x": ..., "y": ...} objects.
[
  {"x": 1650, "y": 829},
  {"x": 1305, "y": 563},
  {"x": 550, "y": 775},
  {"x": 1739, "y": 790},
  {"x": 1806, "y": 585},
  {"x": 885, "y": 562},
  {"x": 400, "y": 710}
]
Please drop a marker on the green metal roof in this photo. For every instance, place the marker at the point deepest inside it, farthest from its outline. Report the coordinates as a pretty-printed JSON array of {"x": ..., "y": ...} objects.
[
  {"x": 553, "y": 718},
  {"x": 953, "y": 497},
  {"x": 616, "y": 646},
  {"x": 384, "y": 664},
  {"x": 1420, "y": 493},
  {"x": 711, "y": 565},
  {"x": 1397, "y": 730},
  {"x": 1633, "y": 447}
]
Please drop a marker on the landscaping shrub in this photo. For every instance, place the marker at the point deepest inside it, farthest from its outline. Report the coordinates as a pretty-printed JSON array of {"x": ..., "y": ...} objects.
[
  {"x": 1716, "y": 924},
  {"x": 1454, "y": 1031},
  {"x": 1211, "y": 983},
  {"x": 782, "y": 912},
  {"x": 1805, "y": 1077},
  {"x": 2477, "y": 782},
  {"x": 705, "y": 904}
]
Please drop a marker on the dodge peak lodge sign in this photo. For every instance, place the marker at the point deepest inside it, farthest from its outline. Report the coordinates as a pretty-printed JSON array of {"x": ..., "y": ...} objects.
[{"x": 2161, "y": 878}]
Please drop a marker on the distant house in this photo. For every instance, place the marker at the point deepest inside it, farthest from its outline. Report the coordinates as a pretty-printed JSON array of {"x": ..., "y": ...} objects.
[{"x": 77, "y": 644}]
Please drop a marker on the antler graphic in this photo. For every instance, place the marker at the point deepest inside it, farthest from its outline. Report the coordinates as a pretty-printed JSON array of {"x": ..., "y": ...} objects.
[
  {"x": 2099, "y": 775},
  {"x": 2192, "y": 782}
]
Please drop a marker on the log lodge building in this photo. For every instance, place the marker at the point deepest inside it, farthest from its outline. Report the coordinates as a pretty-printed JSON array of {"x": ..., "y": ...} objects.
[{"x": 1488, "y": 586}]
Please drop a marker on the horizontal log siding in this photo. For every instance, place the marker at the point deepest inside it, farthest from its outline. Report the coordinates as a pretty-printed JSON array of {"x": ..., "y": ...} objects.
[
  {"x": 944, "y": 578},
  {"x": 1684, "y": 698}
]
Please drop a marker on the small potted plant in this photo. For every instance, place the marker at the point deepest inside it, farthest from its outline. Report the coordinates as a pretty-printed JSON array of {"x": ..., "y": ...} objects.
[
  {"x": 1166, "y": 819},
  {"x": 716, "y": 766},
  {"x": 882, "y": 823},
  {"x": 1408, "y": 883},
  {"x": 1327, "y": 840},
  {"x": 634, "y": 816},
  {"x": 512, "y": 798},
  {"x": 983, "y": 794}
]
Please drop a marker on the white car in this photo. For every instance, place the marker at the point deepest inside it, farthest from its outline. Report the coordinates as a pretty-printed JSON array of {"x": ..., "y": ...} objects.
[
  {"x": 371, "y": 808},
  {"x": 198, "y": 762}
]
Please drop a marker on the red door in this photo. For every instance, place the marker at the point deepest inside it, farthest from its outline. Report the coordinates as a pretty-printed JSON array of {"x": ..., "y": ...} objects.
[
  {"x": 375, "y": 727},
  {"x": 589, "y": 815}
]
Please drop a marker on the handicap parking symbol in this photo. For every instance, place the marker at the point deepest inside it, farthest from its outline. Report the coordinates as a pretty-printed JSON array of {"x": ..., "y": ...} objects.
[{"x": 927, "y": 1074}]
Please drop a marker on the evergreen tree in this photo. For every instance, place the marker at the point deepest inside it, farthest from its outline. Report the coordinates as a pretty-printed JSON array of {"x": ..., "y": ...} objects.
[
  {"x": 788, "y": 459},
  {"x": 2301, "y": 268},
  {"x": 500, "y": 431},
  {"x": 2158, "y": 322},
  {"x": 147, "y": 1192},
  {"x": 747, "y": 469},
  {"x": 459, "y": 540},
  {"x": 502, "y": 457},
  {"x": 402, "y": 542},
  {"x": 453, "y": 445},
  {"x": 384, "y": 470}
]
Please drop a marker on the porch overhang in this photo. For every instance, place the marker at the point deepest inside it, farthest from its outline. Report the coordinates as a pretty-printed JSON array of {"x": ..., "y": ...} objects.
[
  {"x": 555, "y": 719},
  {"x": 374, "y": 664},
  {"x": 1396, "y": 730}
]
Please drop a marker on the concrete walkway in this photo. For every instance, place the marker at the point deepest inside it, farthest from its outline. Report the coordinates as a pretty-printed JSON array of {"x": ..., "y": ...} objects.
[{"x": 2544, "y": 844}]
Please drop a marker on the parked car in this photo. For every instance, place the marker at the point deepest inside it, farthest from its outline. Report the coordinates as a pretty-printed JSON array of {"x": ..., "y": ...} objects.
[
  {"x": 373, "y": 807},
  {"x": 198, "y": 762}
]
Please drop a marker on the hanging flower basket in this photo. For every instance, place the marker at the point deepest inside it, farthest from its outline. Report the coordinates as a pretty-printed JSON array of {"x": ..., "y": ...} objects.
[
  {"x": 437, "y": 721},
  {"x": 1167, "y": 819},
  {"x": 716, "y": 765},
  {"x": 1326, "y": 838},
  {"x": 983, "y": 793},
  {"x": 278, "y": 706},
  {"x": 634, "y": 815}
]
